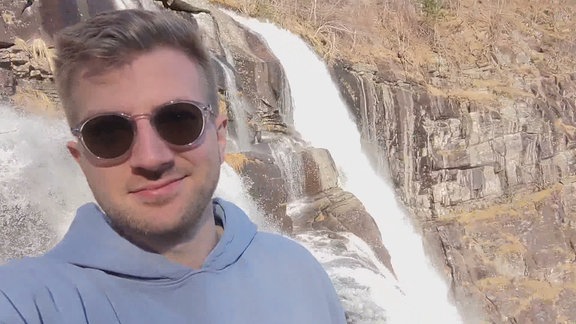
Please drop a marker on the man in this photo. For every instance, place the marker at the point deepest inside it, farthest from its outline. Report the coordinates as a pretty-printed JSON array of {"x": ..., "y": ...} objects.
[{"x": 140, "y": 97}]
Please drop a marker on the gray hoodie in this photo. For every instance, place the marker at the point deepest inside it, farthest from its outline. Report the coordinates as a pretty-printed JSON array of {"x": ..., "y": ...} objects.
[{"x": 96, "y": 276}]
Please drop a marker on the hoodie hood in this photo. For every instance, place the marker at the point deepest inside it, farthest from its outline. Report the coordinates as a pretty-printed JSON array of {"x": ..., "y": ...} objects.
[{"x": 92, "y": 243}]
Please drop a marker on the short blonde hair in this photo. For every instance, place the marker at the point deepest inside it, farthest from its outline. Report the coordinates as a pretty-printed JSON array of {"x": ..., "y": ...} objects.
[{"x": 114, "y": 38}]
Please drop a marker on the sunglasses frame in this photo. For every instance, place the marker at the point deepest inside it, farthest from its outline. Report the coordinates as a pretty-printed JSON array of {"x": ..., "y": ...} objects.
[{"x": 205, "y": 110}]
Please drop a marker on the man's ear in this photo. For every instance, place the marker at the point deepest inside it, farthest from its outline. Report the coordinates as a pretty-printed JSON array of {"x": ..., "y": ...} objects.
[
  {"x": 74, "y": 150},
  {"x": 221, "y": 123}
]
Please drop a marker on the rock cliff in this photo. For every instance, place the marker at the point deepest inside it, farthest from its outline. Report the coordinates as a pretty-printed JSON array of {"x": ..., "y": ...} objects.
[
  {"x": 489, "y": 185},
  {"x": 488, "y": 172}
]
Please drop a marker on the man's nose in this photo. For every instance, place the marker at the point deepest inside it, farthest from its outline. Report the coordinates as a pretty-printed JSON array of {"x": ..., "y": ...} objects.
[{"x": 149, "y": 151}]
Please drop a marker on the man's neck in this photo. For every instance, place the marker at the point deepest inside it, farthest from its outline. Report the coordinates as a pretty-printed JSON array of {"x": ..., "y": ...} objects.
[
  {"x": 192, "y": 253},
  {"x": 188, "y": 248}
]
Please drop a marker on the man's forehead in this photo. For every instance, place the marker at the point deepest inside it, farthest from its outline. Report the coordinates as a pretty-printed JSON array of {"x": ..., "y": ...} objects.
[
  {"x": 120, "y": 78},
  {"x": 97, "y": 71}
]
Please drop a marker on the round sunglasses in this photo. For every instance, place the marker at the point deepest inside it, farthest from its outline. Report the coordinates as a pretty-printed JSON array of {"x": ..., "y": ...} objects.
[{"x": 110, "y": 136}]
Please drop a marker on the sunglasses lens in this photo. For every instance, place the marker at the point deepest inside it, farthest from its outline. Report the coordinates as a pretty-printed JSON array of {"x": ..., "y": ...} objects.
[
  {"x": 179, "y": 123},
  {"x": 108, "y": 136}
]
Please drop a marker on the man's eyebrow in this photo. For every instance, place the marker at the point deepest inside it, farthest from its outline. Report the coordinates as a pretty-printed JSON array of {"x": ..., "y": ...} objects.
[{"x": 89, "y": 113}]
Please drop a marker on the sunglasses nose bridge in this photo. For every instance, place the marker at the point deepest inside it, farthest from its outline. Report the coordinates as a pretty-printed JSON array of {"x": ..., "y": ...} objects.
[
  {"x": 150, "y": 117},
  {"x": 148, "y": 150},
  {"x": 140, "y": 116}
]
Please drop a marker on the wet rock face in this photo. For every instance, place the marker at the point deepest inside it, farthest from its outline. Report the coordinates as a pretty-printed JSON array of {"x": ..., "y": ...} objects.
[
  {"x": 266, "y": 185},
  {"x": 340, "y": 211},
  {"x": 327, "y": 207},
  {"x": 16, "y": 22},
  {"x": 490, "y": 183},
  {"x": 43, "y": 18},
  {"x": 7, "y": 84},
  {"x": 26, "y": 39},
  {"x": 320, "y": 172}
]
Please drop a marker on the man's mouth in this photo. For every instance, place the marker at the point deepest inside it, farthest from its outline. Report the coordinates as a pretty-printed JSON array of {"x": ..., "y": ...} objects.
[{"x": 160, "y": 190}]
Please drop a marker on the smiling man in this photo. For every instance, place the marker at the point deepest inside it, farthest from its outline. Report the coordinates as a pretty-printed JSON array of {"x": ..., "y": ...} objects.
[{"x": 140, "y": 97}]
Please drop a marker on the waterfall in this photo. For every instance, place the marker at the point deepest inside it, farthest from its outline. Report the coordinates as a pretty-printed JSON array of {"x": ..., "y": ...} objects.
[
  {"x": 239, "y": 123},
  {"x": 322, "y": 118},
  {"x": 41, "y": 186},
  {"x": 135, "y": 4},
  {"x": 290, "y": 164},
  {"x": 232, "y": 188}
]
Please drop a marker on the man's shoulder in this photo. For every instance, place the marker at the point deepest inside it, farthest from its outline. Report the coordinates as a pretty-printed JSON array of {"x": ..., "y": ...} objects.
[
  {"x": 32, "y": 290},
  {"x": 278, "y": 241},
  {"x": 19, "y": 268},
  {"x": 31, "y": 273},
  {"x": 301, "y": 275},
  {"x": 282, "y": 247},
  {"x": 30, "y": 264}
]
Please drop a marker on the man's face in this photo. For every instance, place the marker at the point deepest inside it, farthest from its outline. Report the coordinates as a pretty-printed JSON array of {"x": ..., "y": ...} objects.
[{"x": 157, "y": 190}]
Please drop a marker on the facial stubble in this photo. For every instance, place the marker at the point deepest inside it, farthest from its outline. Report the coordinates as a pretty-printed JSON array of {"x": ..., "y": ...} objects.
[{"x": 141, "y": 232}]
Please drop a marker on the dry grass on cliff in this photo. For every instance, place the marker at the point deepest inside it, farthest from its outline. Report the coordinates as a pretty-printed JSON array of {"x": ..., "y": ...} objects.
[
  {"x": 236, "y": 160},
  {"x": 455, "y": 42},
  {"x": 38, "y": 52},
  {"x": 508, "y": 206},
  {"x": 35, "y": 101}
]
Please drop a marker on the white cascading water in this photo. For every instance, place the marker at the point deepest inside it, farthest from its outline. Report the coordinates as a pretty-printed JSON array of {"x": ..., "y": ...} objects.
[
  {"x": 290, "y": 165},
  {"x": 37, "y": 175},
  {"x": 136, "y": 4},
  {"x": 242, "y": 138},
  {"x": 322, "y": 118},
  {"x": 232, "y": 188}
]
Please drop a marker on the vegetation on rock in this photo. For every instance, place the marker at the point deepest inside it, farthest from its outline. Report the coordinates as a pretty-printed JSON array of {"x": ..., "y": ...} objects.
[{"x": 475, "y": 49}]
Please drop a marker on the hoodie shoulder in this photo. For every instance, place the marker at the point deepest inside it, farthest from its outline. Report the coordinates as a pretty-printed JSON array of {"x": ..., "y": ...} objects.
[
  {"x": 282, "y": 244},
  {"x": 28, "y": 276},
  {"x": 25, "y": 274},
  {"x": 286, "y": 254},
  {"x": 37, "y": 289},
  {"x": 14, "y": 282},
  {"x": 22, "y": 288},
  {"x": 296, "y": 267}
]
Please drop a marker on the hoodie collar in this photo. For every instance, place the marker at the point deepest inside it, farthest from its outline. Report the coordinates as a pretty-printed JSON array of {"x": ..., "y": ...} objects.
[{"x": 92, "y": 243}]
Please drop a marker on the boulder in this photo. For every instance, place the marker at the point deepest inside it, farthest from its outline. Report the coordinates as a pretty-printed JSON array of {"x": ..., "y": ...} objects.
[
  {"x": 320, "y": 173},
  {"x": 337, "y": 210}
]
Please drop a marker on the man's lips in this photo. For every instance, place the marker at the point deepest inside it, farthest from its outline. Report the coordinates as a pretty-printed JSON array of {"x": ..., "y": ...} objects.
[
  {"x": 154, "y": 185},
  {"x": 160, "y": 189}
]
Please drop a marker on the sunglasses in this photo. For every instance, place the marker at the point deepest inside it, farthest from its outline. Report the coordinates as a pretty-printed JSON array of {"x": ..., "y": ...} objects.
[{"x": 110, "y": 136}]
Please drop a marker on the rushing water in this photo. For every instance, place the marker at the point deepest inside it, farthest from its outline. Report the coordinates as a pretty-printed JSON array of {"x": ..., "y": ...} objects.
[
  {"x": 322, "y": 118},
  {"x": 290, "y": 165},
  {"x": 242, "y": 138},
  {"x": 40, "y": 185}
]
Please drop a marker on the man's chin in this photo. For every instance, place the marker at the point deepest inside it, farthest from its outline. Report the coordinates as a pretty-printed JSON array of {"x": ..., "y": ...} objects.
[
  {"x": 161, "y": 223},
  {"x": 159, "y": 229},
  {"x": 154, "y": 230}
]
